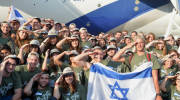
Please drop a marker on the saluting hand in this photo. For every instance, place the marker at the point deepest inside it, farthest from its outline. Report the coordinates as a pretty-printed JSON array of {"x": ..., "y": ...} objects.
[
  {"x": 3, "y": 65},
  {"x": 58, "y": 81},
  {"x": 24, "y": 46}
]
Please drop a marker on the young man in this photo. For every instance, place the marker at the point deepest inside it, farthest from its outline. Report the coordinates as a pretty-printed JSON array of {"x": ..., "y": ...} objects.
[
  {"x": 5, "y": 35},
  {"x": 138, "y": 58},
  {"x": 4, "y": 51},
  {"x": 10, "y": 83},
  {"x": 26, "y": 72},
  {"x": 41, "y": 91}
]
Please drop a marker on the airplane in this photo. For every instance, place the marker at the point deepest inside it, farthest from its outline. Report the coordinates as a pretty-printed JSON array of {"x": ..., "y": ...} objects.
[{"x": 102, "y": 15}]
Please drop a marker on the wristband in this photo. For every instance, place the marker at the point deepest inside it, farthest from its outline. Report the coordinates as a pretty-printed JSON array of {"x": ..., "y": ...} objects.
[{"x": 158, "y": 94}]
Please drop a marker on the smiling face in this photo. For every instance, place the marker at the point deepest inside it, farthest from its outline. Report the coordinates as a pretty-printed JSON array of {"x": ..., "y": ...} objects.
[
  {"x": 23, "y": 34},
  {"x": 44, "y": 80},
  {"x": 168, "y": 63},
  {"x": 69, "y": 78},
  {"x": 171, "y": 40},
  {"x": 5, "y": 28},
  {"x": 35, "y": 24},
  {"x": 140, "y": 44},
  {"x": 75, "y": 43},
  {"x": 32, "y": 62},
  {"x": 111, "y": 52},
  {"x": 53, "y": 40}
]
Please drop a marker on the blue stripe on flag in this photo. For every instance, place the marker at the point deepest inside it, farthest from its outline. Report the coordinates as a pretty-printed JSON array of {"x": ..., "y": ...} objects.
[
  {"x": 96, "y": 68},
  {"x": 179, "y": 4},
  {"x": 17, "y": 14},
  {"x": 115, "y": 14}
]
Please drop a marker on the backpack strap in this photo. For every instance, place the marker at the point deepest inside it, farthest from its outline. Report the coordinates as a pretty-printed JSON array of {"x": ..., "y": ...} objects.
[
  {"x": 148, "y": 56},
  {"x": 130, "y": 58}
]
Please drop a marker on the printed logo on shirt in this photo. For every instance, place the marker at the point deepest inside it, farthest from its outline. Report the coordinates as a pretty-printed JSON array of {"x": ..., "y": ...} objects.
[
  {"x": 4, "y": 89},
  {"x": 43, "y": 96}
]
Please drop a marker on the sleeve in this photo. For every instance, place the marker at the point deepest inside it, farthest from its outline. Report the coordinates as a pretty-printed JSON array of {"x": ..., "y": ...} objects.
[
  {"x": 156, "y": 64},
  {"x": 17, "y": 69},
  {"x": 16, "y": 80}
]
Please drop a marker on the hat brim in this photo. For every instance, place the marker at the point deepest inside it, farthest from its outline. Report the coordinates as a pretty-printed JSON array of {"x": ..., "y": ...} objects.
[
  {"x": 52, "y": 36},
  {"x": 69, "y": 73}
]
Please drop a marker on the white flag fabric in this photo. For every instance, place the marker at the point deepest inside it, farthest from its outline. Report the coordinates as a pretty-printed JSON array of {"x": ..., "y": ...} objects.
[
  {"x": 15, "y": 15},
  {"x": 106, "y": 84}
]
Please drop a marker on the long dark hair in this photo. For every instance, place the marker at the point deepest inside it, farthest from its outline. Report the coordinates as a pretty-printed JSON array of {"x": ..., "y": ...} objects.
[
  {"x": 66, "y": 87},
  {"x": 78, "y": 49}
]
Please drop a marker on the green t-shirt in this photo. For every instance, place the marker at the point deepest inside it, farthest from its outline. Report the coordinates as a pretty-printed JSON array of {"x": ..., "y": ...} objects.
[
  {"x": 175, "y": 94},
  {"x": 26, "y": 75},
  {"x": 78, "y": 71},
  {"x": 85, "y": 44},
  {"x": 9, "y": 84},
  {"x": 78, "y": 95},
  {"x": 158, "y": 51},
  {"x": 139, "y": 60},
  {"x": 42, "y": 94},
  {"x": 111, "y": 64},
  {"x": 9, "y": 42}
]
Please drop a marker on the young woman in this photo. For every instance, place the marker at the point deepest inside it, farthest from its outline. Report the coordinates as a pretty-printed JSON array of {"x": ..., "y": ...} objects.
[
  {"x": 33, "y": 46},
  {"x": 70, "y": 43},
  {"x": 160, "y": 49},
  {"x": 171, "y": 44},
  {"x": 67, "y": 87},
  {"x": 171, "y": 84},
  {"x": 22, "y": 38}
]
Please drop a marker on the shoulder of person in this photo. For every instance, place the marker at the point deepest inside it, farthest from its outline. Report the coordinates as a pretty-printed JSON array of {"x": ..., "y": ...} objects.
[{"x": 20, "y": 67}]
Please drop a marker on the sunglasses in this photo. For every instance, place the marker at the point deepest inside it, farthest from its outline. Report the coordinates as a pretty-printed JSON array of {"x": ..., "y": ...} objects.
[{"x": 9, "y": 64}]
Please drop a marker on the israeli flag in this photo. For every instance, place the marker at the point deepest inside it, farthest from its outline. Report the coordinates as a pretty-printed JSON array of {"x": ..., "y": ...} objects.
[
  {"x": 15, "y": 15},
  {"x": 106, "y": 84}
]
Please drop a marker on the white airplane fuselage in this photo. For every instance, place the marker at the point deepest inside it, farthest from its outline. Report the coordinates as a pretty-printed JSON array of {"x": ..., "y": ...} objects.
[{"x": 65, "y": 11}]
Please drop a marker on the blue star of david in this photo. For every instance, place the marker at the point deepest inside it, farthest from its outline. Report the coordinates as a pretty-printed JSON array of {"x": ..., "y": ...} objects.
[{"x": 123, "y": 91}]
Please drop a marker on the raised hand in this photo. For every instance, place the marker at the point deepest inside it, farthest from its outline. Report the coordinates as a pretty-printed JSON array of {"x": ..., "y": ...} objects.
[
  {"x": 3, "y": 65},
  {"x": 24, "y": 46},
  {"x": 36, "y": 77}
]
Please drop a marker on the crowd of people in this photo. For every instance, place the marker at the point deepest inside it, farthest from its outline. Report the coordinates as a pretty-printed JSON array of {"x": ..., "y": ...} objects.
[{"x": 46, "y": 60}]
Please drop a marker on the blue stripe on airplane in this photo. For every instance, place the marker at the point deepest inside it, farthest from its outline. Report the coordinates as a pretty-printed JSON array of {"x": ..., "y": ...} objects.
[{"x": 115, "y": 14}]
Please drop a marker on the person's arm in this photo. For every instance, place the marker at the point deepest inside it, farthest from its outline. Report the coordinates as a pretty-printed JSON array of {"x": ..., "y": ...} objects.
[
  {"x": 43, "y": 44},
  {"x": 151, "y": 44},
  {"x": 28, "y": 22},
  {"x": 20, "y": 55},
  {"x": 28, "y": 87},
  {"x": 60, "y": 43},
  {"x": 164, "y": 82},
  {"x": 17, "y": 94},
  {"x": 44, "y": 65},
  {"x": 118, "y": 56},
  {"x": 56, "y": 93},
  {"x": 2, "y": 67},
  {"x": 156, "y": 83},
  {"x": 58, "y": 57},
  {"x": 78, "y": 60}
]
